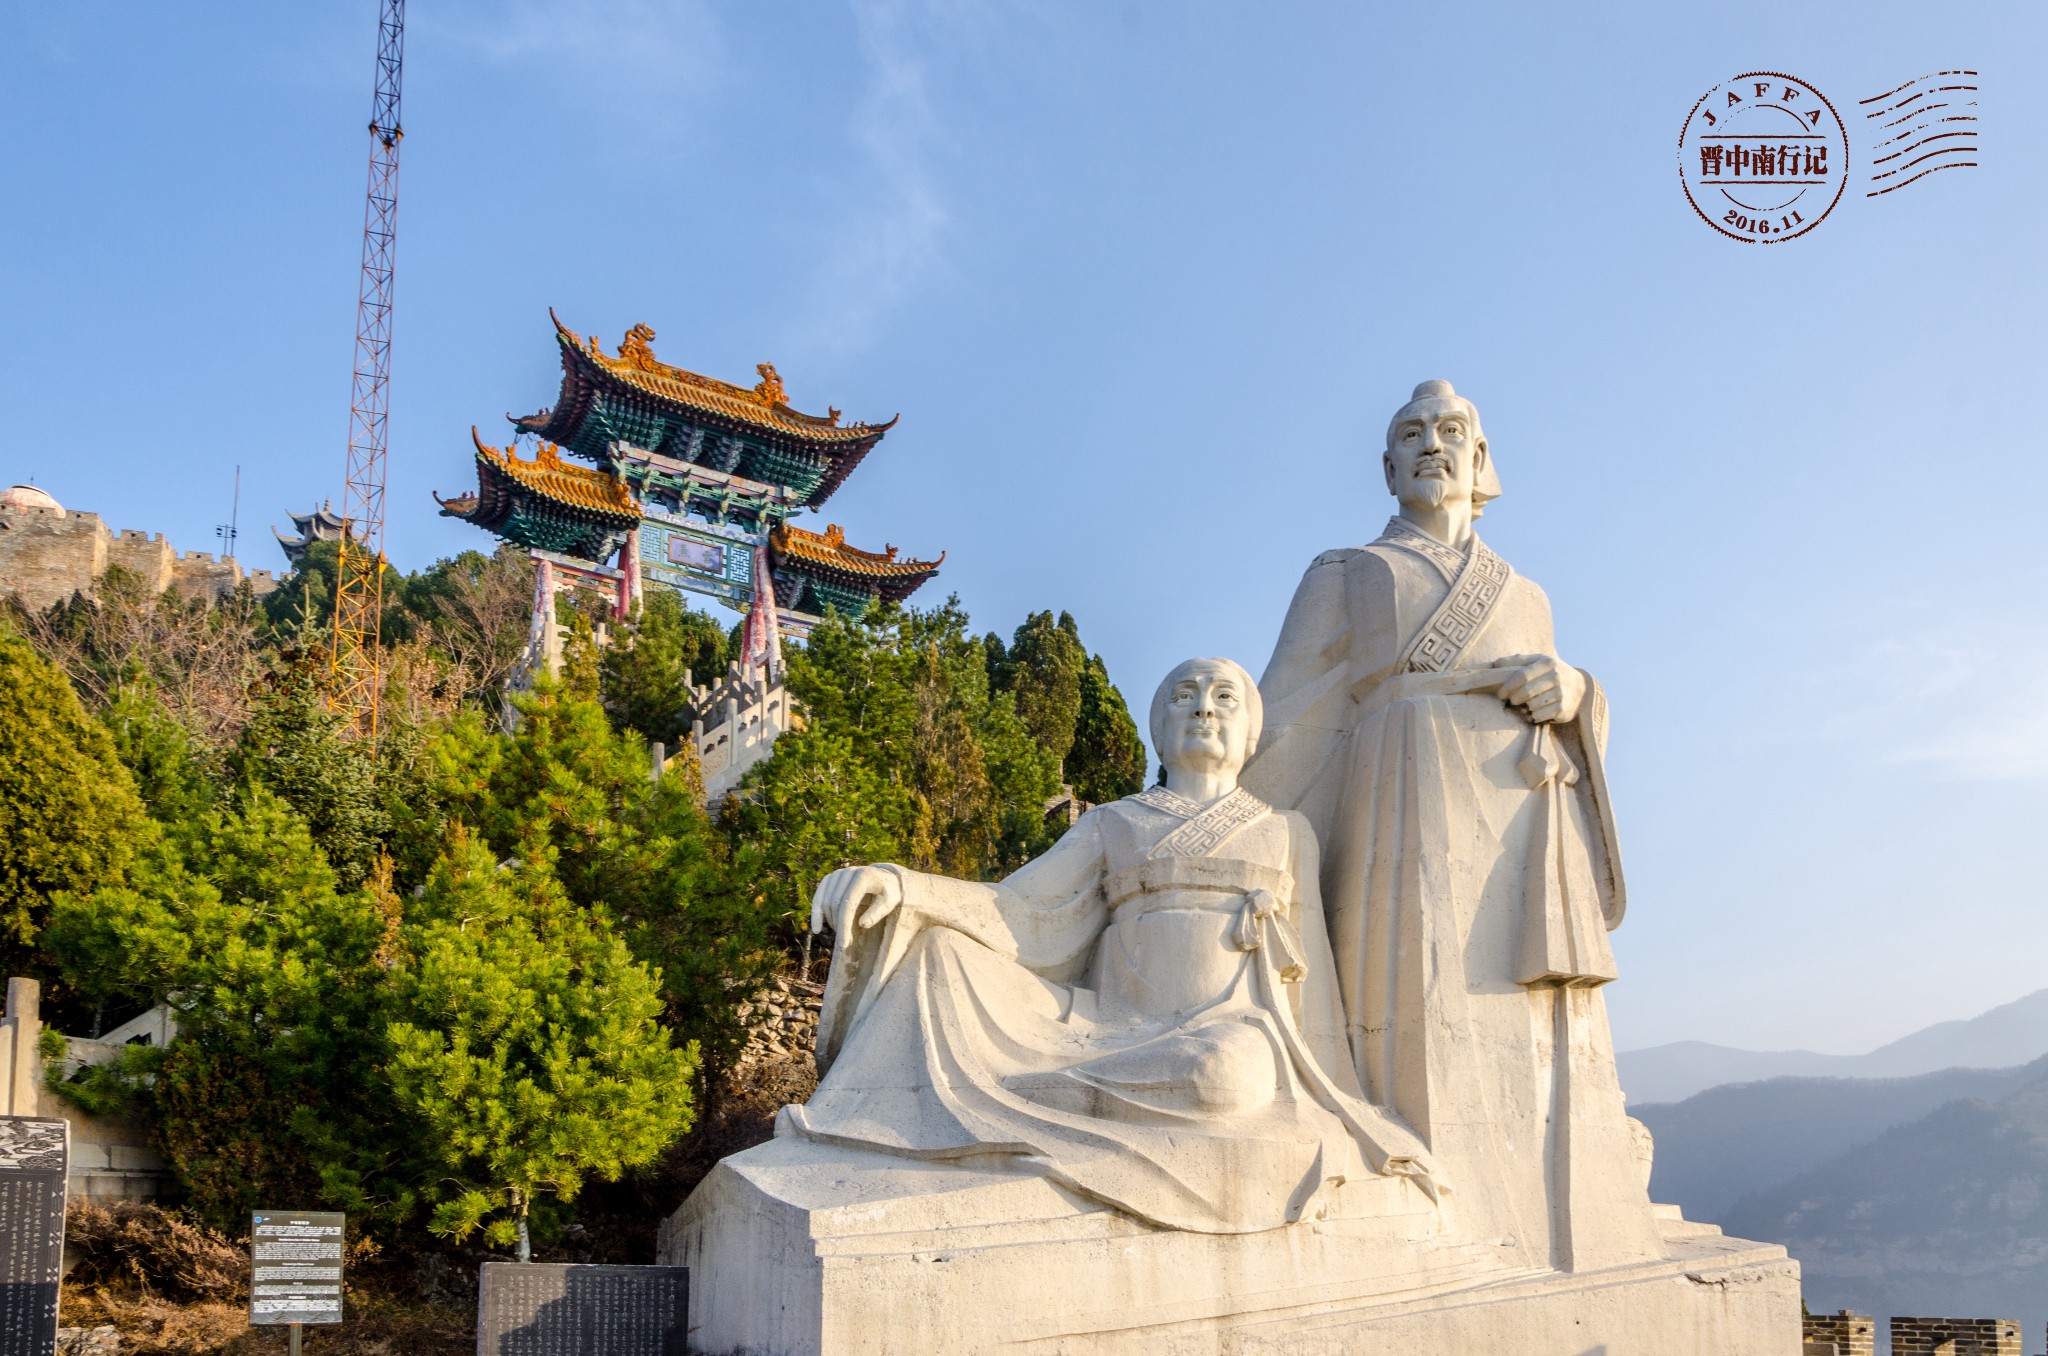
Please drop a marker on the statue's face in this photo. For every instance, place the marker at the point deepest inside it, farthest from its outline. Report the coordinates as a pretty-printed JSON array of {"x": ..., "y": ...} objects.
[
  {"x": 1208, "y": 721},
  {"x": 1434, "y": 454}
]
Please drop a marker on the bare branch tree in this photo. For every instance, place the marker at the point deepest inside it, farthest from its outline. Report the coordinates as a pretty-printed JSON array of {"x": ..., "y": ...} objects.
[
  {"x": 481, "y": 616},
  {"x": 197, "y": 656}
]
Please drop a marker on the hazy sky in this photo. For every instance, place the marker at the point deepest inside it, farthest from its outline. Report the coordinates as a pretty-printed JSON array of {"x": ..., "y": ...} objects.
[{"x": 1145, "y": 281}]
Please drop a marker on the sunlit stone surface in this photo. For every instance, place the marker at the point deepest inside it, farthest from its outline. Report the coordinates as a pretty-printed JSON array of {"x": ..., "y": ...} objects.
[{"x": 1303, "y": 1052}]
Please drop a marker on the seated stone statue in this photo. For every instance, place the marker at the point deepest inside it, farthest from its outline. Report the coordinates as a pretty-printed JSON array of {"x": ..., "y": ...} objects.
[{"x": 1148, "y": 1014}]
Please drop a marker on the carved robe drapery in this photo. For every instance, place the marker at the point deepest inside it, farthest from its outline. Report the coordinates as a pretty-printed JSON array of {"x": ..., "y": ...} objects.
[
  {"x": 1148, "y": 1013},
  {"x": 1470, "y": 873}
]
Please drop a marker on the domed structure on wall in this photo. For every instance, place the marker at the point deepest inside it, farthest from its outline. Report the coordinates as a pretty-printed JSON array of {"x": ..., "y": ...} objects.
[{"x": 30, "y": 497}]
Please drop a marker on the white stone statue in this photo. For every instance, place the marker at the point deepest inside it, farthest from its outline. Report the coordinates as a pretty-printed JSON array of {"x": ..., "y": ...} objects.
[
  {"x": 1190, "y": 1085},
  {"x": 1147, "y": 1013},
  {"x": 1452, "y": 767}
]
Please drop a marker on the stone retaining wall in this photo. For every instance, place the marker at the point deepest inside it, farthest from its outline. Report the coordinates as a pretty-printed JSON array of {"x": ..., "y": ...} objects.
[{"x": 783, "y": 1022}]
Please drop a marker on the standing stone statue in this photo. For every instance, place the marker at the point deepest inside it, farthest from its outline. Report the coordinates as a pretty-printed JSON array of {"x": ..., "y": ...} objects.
[
  {"x": 1307, "y": 1062},
  {"x": 1147, "y": 1013},
  {"x": 1452, "y": 767}
]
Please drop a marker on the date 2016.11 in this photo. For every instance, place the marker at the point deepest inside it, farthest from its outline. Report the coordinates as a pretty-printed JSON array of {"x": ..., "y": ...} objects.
[{"x": 1762, "y": 225}]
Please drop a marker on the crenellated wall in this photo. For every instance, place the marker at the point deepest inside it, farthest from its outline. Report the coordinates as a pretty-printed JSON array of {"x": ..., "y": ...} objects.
[
  {"x": 1955, "y": 1337},
  {"x": 1840, "y": 1334},
  {"x": 48, "y": 554}
]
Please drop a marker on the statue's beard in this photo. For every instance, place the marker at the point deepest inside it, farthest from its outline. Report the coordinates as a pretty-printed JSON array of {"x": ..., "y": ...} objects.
[{"x": 1430, "y": 493}]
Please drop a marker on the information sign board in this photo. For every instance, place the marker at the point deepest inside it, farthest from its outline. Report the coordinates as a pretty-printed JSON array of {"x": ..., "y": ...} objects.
[
  {"x": 35, "y": 1155},
  {"x": 296, "y": 1262},
  {"x": 544, "y": 1309}
]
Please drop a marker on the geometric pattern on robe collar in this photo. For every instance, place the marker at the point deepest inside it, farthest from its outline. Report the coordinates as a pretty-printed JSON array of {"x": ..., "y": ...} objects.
[
  {"x": 1478, "y": 580},
  {"x": 1204, "y": 829},
  {"x": 1447, "y": 559}
]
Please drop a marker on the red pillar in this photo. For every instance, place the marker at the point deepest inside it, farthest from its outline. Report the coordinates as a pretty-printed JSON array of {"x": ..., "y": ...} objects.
[{"x": 629, "y": 574}]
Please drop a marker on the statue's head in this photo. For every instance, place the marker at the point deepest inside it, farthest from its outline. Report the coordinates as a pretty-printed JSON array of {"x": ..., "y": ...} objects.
[
  {"x": 1207, "y": 716},
  {"x": 1436, "y": 453}
]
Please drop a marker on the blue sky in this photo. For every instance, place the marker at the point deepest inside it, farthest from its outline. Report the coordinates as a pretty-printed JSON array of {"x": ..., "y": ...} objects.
[{"x": 1145, "y": 281}]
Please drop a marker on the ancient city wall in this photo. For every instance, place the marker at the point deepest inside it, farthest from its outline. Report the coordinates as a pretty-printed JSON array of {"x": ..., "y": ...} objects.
[
  {"x": 44, "y": 554},
  {"x": 1840, "y": 1334},
  {"x": 146, "y": 557},
  {"x": 48, "y": 554},
  {"x": 1955, "y": 1337}
]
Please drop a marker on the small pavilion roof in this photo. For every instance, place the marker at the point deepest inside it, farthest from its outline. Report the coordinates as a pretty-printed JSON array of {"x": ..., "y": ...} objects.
[
  {"x": 502, "y": 475},
  {"x": 827, "y": 554},
  {"x": 322, "y": 524}
]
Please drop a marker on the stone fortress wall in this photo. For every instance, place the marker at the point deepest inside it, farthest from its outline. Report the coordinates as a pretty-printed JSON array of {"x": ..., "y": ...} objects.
[
  {"x": 48, "y": 553},
  {"x": 1840, "y": 1334},
  {"x": 1955, "y": 1337},
  {"x": 1852, "y": 1334}
]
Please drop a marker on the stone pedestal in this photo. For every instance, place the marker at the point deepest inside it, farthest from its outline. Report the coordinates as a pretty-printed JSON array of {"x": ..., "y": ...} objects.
[{"x": 798, "y": 1249}]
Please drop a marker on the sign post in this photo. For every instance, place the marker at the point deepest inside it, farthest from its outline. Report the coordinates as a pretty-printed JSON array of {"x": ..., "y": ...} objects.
[
  {"x": 295, "y": 1261},
  {"x": 35, "y": 1156}
]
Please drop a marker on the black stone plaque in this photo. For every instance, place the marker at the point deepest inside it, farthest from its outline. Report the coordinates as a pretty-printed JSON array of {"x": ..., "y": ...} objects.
[
  {"x": 295, "y": 1266},
  {"x": 541, "y": 1309},
  {"x": 35, "y": 1155}
]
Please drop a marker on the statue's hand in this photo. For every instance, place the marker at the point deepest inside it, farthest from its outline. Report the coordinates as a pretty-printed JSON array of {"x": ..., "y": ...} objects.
[
  {"x": 855, "y": 896},
  {"x": 1545, "y": 687}
]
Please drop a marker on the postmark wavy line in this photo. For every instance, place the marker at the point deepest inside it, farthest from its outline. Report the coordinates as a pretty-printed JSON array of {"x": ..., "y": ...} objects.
[
  {"x": 1959, "y": 117},
  {"x": 1931, "y": 169},
  {"x": 1928, "y": 109},
  {"x": 1939, "y": 89},
  {"x": 1908, "y": 150},
  {"x": 1877, "y": 98},
  {"x": 1918, "y": 138},
  {"x": 1946, "y": 150}
]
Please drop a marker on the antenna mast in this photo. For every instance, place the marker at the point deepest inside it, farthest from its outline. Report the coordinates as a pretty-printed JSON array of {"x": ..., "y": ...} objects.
[
  {"x": 226, "y": 531},
  {"x": 359, "y": 578}
]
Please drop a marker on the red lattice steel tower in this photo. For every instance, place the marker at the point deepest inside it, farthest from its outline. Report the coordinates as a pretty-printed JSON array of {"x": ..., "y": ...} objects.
[{"x": 359, "y": 582}]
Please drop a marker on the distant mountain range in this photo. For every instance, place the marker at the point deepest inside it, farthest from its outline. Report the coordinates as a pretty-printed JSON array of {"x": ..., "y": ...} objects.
[
  {"x": 1727, "y": 1143},
  {"x": 1919, "y": 1194},
  {"x": 2013, "y": 1034},
  {"x": 1945, "y": 1215}
]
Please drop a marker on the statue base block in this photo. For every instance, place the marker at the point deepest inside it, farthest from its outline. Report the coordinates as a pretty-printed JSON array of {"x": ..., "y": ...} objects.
[{"x": 801, "y": 1249}]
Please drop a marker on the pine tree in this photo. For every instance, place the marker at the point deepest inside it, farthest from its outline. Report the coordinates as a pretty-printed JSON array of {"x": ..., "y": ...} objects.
[
  {"x": 1107, "y": 760},
  {"x": 280, "y": 984},
  {"x": 529, "y": 1050},
  {"x": 906, "y": 755},
  {"x": 1042, "y": 669},
  {"x": 177, "y": 779},
  {"x": 814, "y": 807},
  {"x": 302, "y": 748},
  {"x": 646, "y": 673},
  {"x": 1064, "y": 696},
  {"x": 302, "y": 604},
  {"x": 70, "y": 818},
  {"x": 566, "y": 785}
]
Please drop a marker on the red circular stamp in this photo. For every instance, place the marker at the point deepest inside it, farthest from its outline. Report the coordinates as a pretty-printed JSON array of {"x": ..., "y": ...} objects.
[{"x": 1763, "y": 157}]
